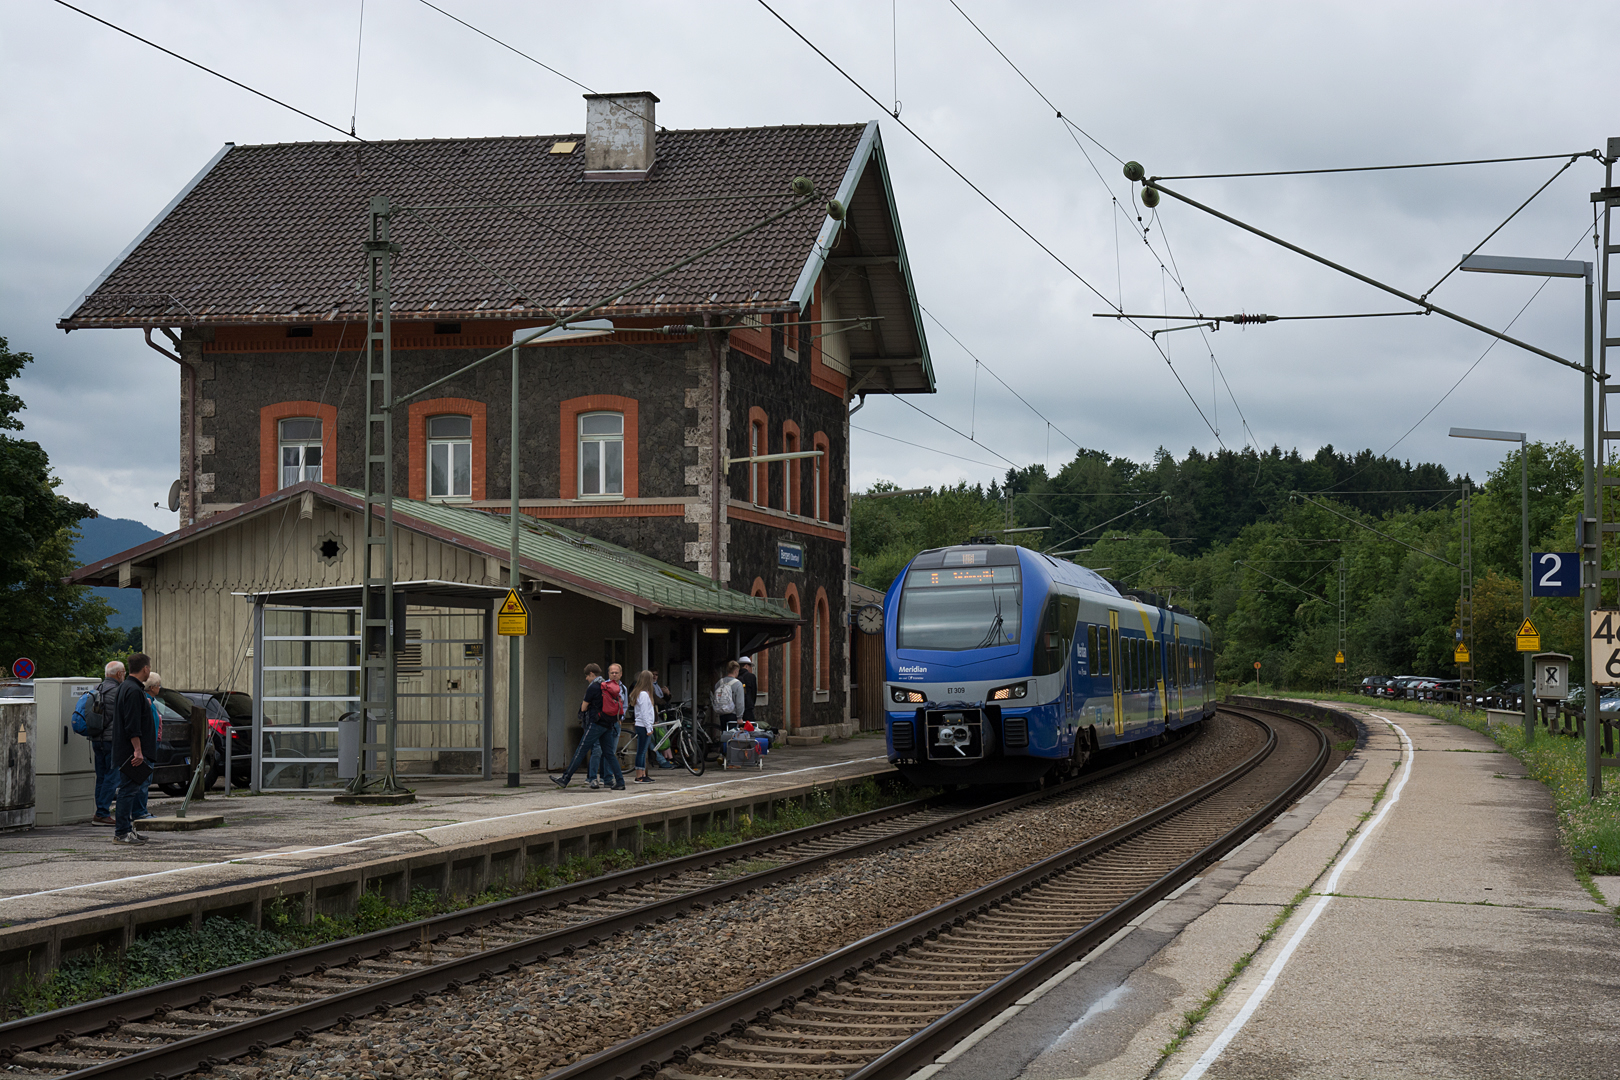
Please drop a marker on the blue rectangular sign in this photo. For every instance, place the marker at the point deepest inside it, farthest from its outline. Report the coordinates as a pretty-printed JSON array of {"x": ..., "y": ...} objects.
[
  {"x": 790, "y": 555},
  {"x": 1555, "y": 573}
]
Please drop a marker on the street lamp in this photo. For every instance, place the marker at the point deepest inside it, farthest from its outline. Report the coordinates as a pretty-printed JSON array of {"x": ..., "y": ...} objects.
[
  {"x": 1589, "y": 538},
  {"x": 1524, "y": 537}
]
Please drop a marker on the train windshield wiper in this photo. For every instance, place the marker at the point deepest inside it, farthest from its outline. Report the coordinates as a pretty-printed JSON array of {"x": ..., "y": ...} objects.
[{"x": 995, "y": 630}]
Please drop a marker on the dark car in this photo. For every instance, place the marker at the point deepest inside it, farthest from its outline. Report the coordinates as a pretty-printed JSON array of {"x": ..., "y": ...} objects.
[
  {"x": 171, "y": 758},
  {"x": 1372, "y": 684},
  {"x": 227, "y": 711}
]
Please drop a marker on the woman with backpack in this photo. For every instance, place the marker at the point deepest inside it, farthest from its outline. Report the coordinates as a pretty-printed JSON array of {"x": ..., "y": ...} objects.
[{"x": 641, "y": 699}]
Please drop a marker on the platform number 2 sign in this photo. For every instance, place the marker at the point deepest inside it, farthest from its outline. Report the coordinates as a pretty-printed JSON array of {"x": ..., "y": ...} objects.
[{"x": 1604, "y": 648}]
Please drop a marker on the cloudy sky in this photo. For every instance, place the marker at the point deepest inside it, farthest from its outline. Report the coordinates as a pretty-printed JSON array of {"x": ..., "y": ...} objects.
[{"x": 100, "y": 132}]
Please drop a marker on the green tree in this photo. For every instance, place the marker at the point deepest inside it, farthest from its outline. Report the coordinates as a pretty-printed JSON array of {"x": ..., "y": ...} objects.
[{"x": 61, "y": 627}]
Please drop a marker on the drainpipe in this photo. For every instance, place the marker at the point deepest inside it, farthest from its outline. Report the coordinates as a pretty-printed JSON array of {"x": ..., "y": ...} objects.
[
  {"x": 188, "y": 397},
  {"x": 715, "y": 472}
]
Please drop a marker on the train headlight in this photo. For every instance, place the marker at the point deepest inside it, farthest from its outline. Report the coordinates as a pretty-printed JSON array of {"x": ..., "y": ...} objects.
[
  {"x": 903, "y": 696},
  {"x": 1009, "y": 693}
]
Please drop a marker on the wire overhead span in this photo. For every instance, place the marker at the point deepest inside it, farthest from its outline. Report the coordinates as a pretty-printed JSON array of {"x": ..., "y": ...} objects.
[{"x": 1381, "y": 168}]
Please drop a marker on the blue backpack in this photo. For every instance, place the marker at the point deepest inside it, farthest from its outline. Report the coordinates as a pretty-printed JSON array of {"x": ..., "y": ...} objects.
[{"x": 90, "y": 716}]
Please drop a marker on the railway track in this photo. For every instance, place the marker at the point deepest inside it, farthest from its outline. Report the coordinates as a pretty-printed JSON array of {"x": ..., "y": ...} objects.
[
  {"x": 892, "y": 1002},
  {"x": 207, "y": 1020}
]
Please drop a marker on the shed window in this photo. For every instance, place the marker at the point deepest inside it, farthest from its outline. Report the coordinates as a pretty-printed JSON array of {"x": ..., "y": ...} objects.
[
  {"x": 300, "y": 439},
  {"x": 449, "y": 450},
  {"x": 601, "y": 454}
]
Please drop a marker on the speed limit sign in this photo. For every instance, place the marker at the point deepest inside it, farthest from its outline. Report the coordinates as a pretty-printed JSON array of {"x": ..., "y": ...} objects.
[{"x": 1603, "y": 648}]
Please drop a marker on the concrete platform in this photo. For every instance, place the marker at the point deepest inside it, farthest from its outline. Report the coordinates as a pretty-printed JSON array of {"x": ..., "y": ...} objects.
[
  {"x": 68, "y": 888},
  {"x": 1441, "y": 933}
]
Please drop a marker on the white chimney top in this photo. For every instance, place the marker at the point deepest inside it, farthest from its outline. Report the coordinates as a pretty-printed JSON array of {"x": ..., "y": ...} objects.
[{"x": 619, "y": 135}]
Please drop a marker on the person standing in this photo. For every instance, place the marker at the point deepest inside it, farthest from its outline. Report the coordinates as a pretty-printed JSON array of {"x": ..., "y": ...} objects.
[
  {"x": 614, "y": 700},
  {"x": 591, "y": 709},
  {"x": 133, "y": 734},
  {"x": 750, "y": 681},
  {"x": 646, "y": 712},
  {"x": 93, "y": 718},
  {"x": 728, "y": 700}
]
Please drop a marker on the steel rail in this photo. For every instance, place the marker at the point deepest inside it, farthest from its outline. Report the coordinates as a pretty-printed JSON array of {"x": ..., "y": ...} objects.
[
  {"x": 647, "y": 1053},
  {"x": 256, "y": 1033}
]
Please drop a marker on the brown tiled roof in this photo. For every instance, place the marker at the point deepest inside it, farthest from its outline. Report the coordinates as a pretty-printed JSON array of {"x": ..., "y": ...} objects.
[{"x": 273, "y": 233}]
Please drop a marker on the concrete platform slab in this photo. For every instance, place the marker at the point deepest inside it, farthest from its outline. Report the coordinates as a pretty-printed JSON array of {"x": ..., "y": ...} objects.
[
  {"x": 72, "y": 884},
  {"x": 1455, "y": 942}
]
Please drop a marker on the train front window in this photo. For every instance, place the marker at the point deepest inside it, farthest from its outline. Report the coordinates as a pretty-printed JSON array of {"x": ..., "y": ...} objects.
[{"x": 956, "y": 608}]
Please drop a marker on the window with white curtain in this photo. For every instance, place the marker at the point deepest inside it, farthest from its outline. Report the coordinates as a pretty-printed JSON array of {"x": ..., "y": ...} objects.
[
  {"x": 601, "y": 454},
  {"x": 449, "y": 464},
  {"x": 300, "y": 439}
]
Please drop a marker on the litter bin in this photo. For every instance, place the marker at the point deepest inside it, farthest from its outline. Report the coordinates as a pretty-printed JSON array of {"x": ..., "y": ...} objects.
[{"x": 348, "y": 746}]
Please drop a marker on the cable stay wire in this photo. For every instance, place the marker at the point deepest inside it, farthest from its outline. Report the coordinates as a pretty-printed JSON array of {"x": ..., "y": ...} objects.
[
  {"x": 1071, "y": 128},
  {"x": 957, "y": 431},
  {"x": 1475, "y": 249},
  {"x": 1278, "y": 580},
  {"x": 1382, "y": 168},
  {"x": 1494, "y": 342},
  {"x": 1379, "y": 532},
  {"x": 920, "y": 446},
  {"x": 997, "y": 207},
  {"x": 359, "y": 39},
  {"x": 991, "y": 372}
]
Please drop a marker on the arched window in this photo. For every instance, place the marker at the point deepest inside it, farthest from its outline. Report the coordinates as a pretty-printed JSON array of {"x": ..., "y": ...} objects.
[
  {"x": 820, "y": 483},
  {"x": 601, "y": 454},
  {"x": 823, "y": 647},
  {"x": 759, "y": 472},
  {"x": 449, "y": 457},
  {"x": 299, "y": 438},
  {"x": 790, "y": 468}
]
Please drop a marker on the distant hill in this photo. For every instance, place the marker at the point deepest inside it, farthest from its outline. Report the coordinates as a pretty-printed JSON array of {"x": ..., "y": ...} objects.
[{"x": 103, "y": 536}]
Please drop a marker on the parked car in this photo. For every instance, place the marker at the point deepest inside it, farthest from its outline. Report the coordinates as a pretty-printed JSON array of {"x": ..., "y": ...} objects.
[
  {"x": 1373, "y": 685},
  {"x": 227, "y": 711},
  {"x": 171, "y": 758}
]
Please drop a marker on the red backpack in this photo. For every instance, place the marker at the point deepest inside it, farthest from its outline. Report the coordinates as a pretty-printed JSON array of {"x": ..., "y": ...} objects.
[{"x": 612, "y": 702}]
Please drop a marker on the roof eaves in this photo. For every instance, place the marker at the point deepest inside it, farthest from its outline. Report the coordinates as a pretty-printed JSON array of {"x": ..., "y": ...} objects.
[
  {"x": 903, "y": 264},
  {"x": 804, "y": 288},
  {"x": 142, "y": 235}
]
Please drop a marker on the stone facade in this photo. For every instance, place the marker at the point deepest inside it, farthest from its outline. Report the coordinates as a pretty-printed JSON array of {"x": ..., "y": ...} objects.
[{"x": 668, "y": 512}]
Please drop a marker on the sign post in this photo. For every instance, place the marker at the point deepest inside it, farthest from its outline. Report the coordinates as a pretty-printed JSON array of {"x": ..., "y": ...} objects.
[
  {"x": 22, "y": 668},
  {"x": 1257, "y": 678},
  {"x": 1527, "y": 639},
  {"x": 512, "y": 620}
]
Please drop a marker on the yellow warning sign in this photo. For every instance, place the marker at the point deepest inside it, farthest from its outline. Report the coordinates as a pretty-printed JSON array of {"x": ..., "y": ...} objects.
[
  {"x": 1528, "y": 638},
  {"x": 513, "y": 618},
  {"x": 1338, "y": 657},
  {"x": 1461, "y": 654}
]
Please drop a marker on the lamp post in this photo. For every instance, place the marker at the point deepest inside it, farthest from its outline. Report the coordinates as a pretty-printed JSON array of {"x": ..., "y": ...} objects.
[
  {"x": 1570, "y": 268},
  {"x": 1524, "y": 539}
]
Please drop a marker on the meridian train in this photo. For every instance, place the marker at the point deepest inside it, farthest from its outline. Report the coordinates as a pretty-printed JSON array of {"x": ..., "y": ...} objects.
[{"x": 1005, "y": 665}]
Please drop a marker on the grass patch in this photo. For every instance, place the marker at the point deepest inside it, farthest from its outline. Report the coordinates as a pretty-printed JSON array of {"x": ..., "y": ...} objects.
[{"x": 178, "y": 952}]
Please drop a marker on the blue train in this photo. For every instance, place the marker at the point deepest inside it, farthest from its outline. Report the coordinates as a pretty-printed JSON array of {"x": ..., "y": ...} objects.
[{"x": 1005, "y": 665}]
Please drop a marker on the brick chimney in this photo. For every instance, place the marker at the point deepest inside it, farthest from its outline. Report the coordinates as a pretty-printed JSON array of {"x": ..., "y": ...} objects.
[{"x": 619, "y": 133}]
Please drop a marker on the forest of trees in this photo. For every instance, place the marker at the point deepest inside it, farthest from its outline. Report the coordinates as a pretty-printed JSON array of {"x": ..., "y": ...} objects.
[{"x": 1252, "y": 542}]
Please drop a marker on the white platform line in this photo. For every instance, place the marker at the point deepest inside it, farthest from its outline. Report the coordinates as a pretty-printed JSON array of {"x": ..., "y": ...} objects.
[
  {"x": 1259, "y": 993},
  {"x": 406, "y": 832}
]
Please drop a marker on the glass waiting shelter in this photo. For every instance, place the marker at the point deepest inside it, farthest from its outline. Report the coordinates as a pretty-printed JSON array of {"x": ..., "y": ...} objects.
[{"x": 307, "y": 684}]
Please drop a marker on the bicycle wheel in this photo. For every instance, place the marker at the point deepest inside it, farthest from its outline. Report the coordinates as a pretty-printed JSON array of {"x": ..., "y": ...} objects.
[{"x": 686, "y": 748}]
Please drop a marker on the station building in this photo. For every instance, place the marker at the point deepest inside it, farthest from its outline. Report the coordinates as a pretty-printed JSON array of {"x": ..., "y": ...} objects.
[{"x": 649, "y": 537}]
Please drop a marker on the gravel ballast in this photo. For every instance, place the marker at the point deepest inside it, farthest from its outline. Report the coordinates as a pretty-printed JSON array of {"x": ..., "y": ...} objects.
[{"x": 547, "y": 1015}]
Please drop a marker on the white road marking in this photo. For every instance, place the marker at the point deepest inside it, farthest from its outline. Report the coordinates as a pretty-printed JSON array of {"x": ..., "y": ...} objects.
[
  {"x": 406, "y": 832},
  {"x": 1324, "y": 898}
]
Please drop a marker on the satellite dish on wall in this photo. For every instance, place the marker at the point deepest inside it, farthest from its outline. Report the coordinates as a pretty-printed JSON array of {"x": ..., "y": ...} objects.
[{"x": 174, "y": 496}]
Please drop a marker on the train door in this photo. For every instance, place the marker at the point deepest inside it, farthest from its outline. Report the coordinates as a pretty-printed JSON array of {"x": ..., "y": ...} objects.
[
  {"x": 1177, "y": 665},
  {"x": 1068, "y": 620},
  {"x": 1114, "y": 666}
]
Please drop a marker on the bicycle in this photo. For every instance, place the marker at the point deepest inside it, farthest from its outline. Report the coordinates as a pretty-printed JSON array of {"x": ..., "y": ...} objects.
[{"x": 677, "y": 731}]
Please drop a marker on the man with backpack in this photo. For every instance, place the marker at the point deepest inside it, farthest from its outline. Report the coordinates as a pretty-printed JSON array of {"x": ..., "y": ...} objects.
[
  {"x": 612, "y": 712},
  {"x": 93, "y": 718},
  {"x": 595, "y": 730},
  {"x": 729, "y": 699},
  {"x": 134, "y": 732}
]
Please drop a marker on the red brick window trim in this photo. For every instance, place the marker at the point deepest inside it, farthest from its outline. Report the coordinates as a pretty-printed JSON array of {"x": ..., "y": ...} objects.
[
  {"x": 790, "y": 335},
  {"x": 416, "y": 420},
  {"x": 762, "y": 660},
  {"x": 821, "y": 474},
  {"x": 568, "y": 440},
  {"x": 270, "y": 418},
  {"x": 792, "y": 468},
  {"x": 759, "y": 442}
]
